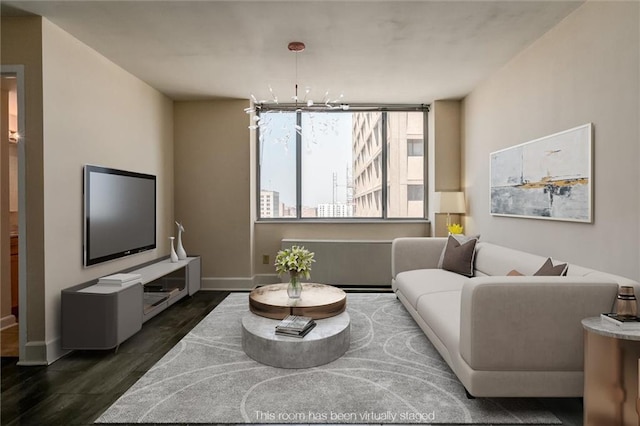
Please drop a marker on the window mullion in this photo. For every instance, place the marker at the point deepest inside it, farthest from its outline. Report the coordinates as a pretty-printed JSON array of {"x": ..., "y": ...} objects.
[
  {"x": 384, "y": 193},
  {"x": 259, "y": 172},
  {"x": 425, "y": 169},
  {"x": 299, "y": 164}
]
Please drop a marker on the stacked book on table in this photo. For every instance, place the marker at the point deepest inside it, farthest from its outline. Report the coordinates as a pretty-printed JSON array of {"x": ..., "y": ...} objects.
[
  {"x": 119, "y": 279},
  {"x": 624, "y": 322},
  {"x": 295, "y": 326}
]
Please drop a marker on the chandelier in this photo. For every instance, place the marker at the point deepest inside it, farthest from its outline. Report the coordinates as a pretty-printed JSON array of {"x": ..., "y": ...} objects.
[{"x": 300, "y": 103}]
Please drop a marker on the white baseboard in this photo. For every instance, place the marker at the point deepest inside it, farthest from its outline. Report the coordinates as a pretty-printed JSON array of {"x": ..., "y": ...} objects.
[
  {"x": 238, "y": 283},
  {"x": 35, "y": 353},
  {"x": 42, "y": 353},
  {"x": 8, "y": 321},
  {"x": 264, "y": 279},
  {"x": 55, "y": 351}
]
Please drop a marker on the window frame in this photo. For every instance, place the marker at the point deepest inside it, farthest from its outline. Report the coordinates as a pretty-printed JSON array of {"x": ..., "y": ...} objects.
[{"x": 384, "y": 109}]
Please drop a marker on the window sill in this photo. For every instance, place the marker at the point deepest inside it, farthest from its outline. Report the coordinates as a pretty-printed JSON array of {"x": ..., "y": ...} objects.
[{"x": 340, "y": 221}]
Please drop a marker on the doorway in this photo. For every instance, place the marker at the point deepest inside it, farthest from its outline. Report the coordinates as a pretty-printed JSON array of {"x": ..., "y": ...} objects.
[{"x": 11, "y": 204}]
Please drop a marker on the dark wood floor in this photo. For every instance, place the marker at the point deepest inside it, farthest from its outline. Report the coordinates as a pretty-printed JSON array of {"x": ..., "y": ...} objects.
[{"x": 78, "y": 388}]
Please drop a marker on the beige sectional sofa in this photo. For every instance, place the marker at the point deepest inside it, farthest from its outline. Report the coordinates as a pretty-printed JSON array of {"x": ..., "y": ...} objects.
[{"x": 503, "y": 336}]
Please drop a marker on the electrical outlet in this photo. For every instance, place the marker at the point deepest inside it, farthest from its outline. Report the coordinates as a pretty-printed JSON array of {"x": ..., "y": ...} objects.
[{"x": 265, "y": 259}]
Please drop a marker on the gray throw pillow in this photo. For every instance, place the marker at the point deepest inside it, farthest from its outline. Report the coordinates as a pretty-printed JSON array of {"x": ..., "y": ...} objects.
[
  {"x": 458, "y": 257},
  {"x": 548, "y": 270},
  {"x": 461, "y": 238}
]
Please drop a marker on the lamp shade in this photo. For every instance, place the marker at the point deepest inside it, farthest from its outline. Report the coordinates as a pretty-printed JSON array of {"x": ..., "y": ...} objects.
[{"x": 450, "y": 202}]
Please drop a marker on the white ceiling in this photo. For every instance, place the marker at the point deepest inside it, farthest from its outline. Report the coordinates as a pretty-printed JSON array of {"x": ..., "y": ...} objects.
[{"x": 372, "y": 51}]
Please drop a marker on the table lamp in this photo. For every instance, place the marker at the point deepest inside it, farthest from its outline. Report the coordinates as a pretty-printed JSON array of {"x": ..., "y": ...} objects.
[{"x": 450, "y": 202}]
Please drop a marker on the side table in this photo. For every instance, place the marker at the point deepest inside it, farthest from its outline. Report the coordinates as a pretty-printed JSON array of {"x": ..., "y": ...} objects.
[{"x": 611, "y": 358}]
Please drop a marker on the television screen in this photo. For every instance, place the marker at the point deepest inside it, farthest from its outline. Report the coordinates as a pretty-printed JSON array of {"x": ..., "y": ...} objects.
[{"x": 119, "y": 213}]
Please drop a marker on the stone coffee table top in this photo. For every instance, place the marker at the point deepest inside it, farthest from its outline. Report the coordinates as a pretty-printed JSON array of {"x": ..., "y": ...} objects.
[{"x": 316, "y": 301}]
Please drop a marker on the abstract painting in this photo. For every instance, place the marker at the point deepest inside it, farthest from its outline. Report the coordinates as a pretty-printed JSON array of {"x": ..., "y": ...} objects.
[{"x": 547, "y": 178}]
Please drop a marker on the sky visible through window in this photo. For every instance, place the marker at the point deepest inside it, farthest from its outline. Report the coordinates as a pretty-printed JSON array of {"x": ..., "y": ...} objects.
[
  {"x": 326, "y": 149},
  {"x": 342, "y": 166}
]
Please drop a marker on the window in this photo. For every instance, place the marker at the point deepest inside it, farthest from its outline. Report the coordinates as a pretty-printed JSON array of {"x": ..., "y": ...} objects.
[
  {"x": 277, "y": 166},
  {"x": 415, "y": 192},
  {"x": 332, "y": 164},
  {"x": 405, "y": 168},
  {"x": 415, "y": 147}
]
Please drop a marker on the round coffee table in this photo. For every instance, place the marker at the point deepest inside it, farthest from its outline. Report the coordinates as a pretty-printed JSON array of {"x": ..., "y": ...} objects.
[
  {"x": 316, "y": 301},
  {"x": 328, "y": 341}
]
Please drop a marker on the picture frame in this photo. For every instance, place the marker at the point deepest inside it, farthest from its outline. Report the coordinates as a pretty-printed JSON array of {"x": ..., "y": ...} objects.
[{"x": 548, "y": 178}]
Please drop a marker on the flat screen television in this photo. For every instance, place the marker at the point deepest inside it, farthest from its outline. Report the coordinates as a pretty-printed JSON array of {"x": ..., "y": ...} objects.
[{"x": 119, "y": 213}]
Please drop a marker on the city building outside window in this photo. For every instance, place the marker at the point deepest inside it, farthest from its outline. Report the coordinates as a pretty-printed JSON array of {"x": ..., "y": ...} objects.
[
  {"x": 333, "y": 164},
  {"x": 415, "y": 192},
  {"x": 415, "y": 147}
]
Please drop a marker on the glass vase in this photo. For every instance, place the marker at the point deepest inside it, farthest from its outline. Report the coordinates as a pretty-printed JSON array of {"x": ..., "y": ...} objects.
[{"x": 295, "y": 286}]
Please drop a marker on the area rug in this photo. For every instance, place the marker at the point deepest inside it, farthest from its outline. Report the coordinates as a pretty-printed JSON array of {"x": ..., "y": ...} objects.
[{"x": 390, "y": 374}]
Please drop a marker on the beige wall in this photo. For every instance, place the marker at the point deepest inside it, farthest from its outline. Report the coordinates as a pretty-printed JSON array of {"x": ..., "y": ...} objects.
[
  {"x": 95, "y": 113},
  {"x": 584, "y": 70},
  {"x": 21, "y": 44},
  {"x": 444, "y": 157},
  {"x": 212, "y": 186}
]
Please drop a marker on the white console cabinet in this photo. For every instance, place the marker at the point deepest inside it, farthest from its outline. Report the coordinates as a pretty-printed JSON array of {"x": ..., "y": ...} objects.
[{"x": 96, "y": 316}]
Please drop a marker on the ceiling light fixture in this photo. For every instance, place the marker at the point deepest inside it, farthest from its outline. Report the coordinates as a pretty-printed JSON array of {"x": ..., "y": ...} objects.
[
  {"x": 300, "y": 103},
  {"x": 306, "y": 103}
]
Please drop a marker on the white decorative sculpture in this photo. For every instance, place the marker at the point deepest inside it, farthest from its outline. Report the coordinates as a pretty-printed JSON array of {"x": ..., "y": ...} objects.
[
  {"x": 174, "y": 255},
  {"x": 182, "y": 254}
]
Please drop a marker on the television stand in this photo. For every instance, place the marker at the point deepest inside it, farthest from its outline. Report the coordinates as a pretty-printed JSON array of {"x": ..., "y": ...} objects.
[{"x": 97, "y": 316}]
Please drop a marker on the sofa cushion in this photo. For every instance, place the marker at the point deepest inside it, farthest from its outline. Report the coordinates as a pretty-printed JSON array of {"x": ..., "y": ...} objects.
[
  {"x": 414, "y": 284},
  {"x": 458, "y": 257},
  {"x": 461, "y": 238},
  {"x": 549, "y": 270},
  {"x": 442, "y": 312},
  {"x": 495, "y": 260}
]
